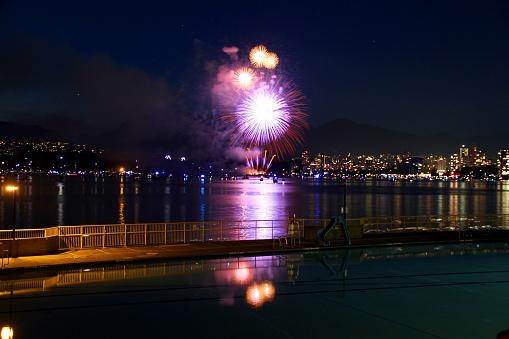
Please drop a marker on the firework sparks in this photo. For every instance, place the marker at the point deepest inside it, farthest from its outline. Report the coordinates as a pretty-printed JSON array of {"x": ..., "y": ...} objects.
[
  {"x": 257, "y": 55},
  {"x": 244, "y": 77},
  {"x": 263, "y": 116},
  {"x": 253, "y": 163},
  {"x": 270, "y": 117},
  {"x": 270, "y": 60}
]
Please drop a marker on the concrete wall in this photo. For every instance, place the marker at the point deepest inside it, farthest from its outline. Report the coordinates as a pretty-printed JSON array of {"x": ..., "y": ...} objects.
[
  {"x": 355, "y": 232},
  {"x": 27, "y": 247}
]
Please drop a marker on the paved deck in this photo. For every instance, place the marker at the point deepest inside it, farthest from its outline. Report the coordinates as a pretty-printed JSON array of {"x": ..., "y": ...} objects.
[
  {"x": 193, "y": 250},
  {"x": 143, "y": 253}
]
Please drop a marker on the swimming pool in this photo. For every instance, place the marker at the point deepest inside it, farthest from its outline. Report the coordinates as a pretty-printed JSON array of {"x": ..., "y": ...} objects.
[{"x": 438, "y": 291}]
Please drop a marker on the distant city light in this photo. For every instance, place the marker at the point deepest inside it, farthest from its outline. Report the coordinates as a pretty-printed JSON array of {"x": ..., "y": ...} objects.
[
  {"x": 167, "y": 157},
  {"x": 183, "y": 159}
]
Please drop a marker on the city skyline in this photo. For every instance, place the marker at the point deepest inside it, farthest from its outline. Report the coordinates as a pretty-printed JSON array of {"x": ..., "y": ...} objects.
[{"x": 61, "y": 157}]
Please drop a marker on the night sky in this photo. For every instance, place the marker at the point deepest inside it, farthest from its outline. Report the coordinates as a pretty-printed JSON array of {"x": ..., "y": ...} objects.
[{"x": 144, "y": 70}]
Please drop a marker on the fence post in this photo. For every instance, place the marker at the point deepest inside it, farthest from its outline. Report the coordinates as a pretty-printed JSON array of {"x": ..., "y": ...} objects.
[
  {"x": 125, "y": 235},
  {"x": 81, "y": 237},
  {"x": 104, "y": 235},
  {"x": 145, "y": 234}
]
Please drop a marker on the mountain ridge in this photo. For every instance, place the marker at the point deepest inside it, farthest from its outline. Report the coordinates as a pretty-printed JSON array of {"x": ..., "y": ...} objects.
[
  {"x": 339, "y": 136},
  {"x": 343, "y": 136}
]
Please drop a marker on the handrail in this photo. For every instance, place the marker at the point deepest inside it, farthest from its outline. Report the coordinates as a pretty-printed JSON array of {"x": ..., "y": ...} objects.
[{"x": 86, "y": 236}]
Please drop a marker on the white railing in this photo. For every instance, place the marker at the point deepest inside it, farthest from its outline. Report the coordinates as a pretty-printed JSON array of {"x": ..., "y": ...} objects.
[
  {"x": 88, "y": 236},
  {"x": 27, "y": 233}
]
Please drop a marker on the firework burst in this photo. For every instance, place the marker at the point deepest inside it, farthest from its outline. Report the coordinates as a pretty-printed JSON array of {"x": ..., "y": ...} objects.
[
  {"x": 261, "y": 109},
  {"x": 257, "y": 55},
  {"x": 263, "y": 116},
  {"x": 270, "y": 117},
  {"x": 258, "y": 164},
  {"x": 270, "y": 60},
  {"x": 244, "y": 77}
]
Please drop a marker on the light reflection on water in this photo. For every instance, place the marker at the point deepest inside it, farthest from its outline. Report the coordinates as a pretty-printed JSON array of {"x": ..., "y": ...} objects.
[
  {"x": 258, "y": 278},
  {"x": 440, "y": 284},
  {"x": 45, "y": 202}
]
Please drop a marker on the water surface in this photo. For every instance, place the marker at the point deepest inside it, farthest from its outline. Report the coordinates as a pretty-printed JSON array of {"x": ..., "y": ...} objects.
[{"x": 43, "y": 201}]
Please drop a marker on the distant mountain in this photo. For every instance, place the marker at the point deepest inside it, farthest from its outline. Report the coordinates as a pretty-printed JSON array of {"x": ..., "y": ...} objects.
[
  {"x": 340, "y": 136},
  {"x": 20, "y": 132},
  {"x": 344, "y": 136}
]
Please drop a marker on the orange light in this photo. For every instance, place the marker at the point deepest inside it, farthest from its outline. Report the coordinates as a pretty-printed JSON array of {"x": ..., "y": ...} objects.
[
  {"x": 270, "y": 60},
  {"x": 11, "y": 188},
  {"x": 256, "y": 294},
  {"x": 6, "y": 332},
  {"x": 257, "y": 55},
  {"x": 244, "y": 77}
]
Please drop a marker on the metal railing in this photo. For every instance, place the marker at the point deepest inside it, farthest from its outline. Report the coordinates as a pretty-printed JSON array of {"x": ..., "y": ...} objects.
[
  {"x": 29, "y": 233},
  {"x": 89, "y": 236},
  {"x": 435, "y": 223},
  {"x": 92, "y": 236}
]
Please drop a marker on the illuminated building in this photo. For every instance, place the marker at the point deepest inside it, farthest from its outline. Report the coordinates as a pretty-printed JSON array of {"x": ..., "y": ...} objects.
[
  {"x": 455, "y": 162},
  {"x": 480, "y": 159},
  {"x": 464, "y": 158},
  {"x": 322, "y": 161},
  {"x": 412, "y": 164},
  {"x": 306, "y": 157},
  {"x": 441, "y": 166},
  {"x": 472, "y": 152},
  {"x": 368, "y": 163},
  {"x": 503, "y": 162}
]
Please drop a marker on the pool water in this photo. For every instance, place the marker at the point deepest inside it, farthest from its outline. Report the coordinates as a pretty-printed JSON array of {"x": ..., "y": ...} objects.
[{"x": 437, "y": 291}]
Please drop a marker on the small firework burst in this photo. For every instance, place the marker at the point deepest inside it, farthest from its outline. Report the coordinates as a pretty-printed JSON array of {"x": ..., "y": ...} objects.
[
  {"x": 257, "y": 164},
  {"x": 270, "y": 60},
  {"x": 244, "y": 77},
  {"x": 257, "y": 55}
]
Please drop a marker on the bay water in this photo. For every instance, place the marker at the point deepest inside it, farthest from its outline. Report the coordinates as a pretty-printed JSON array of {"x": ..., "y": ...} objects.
[{"x": 45, "y": 201}]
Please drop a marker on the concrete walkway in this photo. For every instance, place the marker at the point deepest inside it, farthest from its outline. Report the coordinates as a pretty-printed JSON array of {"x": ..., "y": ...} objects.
[
  {"x": 194, "y": 250},
  {"x": 155, "y": 252}
]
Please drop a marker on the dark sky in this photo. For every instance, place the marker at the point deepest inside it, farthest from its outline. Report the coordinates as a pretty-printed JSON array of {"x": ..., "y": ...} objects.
[{"x": 415, "y": 66}]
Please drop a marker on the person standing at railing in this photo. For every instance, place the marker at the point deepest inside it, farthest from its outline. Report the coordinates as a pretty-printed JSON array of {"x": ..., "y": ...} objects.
[{"x": 291, "y": 226}]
